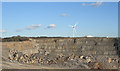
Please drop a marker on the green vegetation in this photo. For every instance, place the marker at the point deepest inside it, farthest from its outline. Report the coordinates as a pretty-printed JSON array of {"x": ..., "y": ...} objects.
[{"x": 15, "y": 38}]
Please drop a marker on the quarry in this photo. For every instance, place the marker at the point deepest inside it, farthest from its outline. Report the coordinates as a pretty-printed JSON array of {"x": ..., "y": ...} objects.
[{"x": 61, "y": 53}]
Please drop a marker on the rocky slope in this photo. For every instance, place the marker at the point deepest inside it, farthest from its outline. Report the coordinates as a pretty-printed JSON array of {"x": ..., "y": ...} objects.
[{"x": 66, "y": 53}]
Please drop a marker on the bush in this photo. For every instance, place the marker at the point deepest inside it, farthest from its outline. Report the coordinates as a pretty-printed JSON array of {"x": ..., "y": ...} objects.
[{"x": 15, "y": 38}]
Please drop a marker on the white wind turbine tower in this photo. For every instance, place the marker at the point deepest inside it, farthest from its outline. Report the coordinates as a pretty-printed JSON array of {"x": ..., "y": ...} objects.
[{"x": 74, "y": 30}]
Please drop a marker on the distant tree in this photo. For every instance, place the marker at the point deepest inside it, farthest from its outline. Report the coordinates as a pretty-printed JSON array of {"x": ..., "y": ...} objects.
[{"x": 15, "y": 38}]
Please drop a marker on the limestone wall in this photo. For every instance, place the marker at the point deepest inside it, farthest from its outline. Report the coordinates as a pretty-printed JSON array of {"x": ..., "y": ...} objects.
[{"x": 82, "y": 46}]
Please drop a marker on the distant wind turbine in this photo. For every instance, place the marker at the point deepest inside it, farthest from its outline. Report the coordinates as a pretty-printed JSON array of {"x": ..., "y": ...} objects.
[{"x": 74, "y": 30}]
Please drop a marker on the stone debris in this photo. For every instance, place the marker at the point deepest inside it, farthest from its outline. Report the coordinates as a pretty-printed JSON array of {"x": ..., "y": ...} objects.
[
  {"x": 72, "y": 57},
  {"x": 82, "y": 57},
  {"x": 97, "y": 66},
  {"x": 88, "y": 60},
  {"x": 109, "y": 60},
  {"x": 45, "y": 58}
]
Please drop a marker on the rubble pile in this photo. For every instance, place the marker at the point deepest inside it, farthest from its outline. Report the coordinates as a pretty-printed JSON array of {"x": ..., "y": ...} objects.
[{"x": 45, "y": 58}]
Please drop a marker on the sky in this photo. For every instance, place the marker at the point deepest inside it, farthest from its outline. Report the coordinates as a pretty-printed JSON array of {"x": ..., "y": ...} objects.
[{"x": 54, "y": 19}]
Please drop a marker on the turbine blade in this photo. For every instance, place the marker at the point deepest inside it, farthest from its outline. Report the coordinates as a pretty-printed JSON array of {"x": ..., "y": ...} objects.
[{"x": 75, "y": 24}]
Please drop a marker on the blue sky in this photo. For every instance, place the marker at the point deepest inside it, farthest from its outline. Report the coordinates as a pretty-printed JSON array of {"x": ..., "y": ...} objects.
[{"x": 53, "y": 19}]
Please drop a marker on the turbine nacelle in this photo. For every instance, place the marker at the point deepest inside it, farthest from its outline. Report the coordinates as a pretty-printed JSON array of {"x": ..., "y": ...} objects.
[{"x": 73, "y": 26}]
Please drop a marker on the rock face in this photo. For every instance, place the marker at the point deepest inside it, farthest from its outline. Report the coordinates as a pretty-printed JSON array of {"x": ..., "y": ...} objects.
[{"x": 84, "y": 53}]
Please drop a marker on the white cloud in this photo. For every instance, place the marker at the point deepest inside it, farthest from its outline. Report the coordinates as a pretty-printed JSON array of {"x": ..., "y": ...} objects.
[
  {"x": 83, "y": 4},
  {"x": 96, "y": 4},
  {"x": 33, "y": 27},
  {"x": 63, "y": 15},
  {"x": 19, "y": 30},
  {"x": 51, "y": 26},
  {"x": 3, "y": 31}
]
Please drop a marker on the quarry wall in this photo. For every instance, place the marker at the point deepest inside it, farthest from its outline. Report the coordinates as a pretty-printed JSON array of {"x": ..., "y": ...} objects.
[{"x": 78, "y": 46}]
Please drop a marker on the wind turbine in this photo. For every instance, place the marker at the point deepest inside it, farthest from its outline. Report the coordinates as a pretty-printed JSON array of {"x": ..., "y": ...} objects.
[{"x": 74, "y": 30}]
